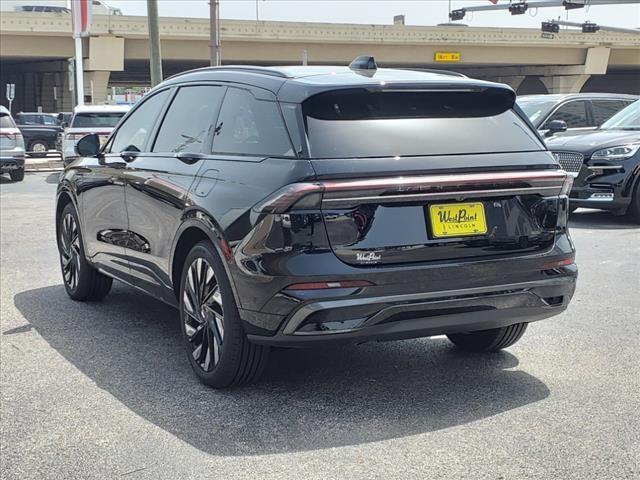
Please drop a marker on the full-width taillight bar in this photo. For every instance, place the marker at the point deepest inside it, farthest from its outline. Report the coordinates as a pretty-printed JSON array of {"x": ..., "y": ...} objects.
[{"x": 552, "y": 182}]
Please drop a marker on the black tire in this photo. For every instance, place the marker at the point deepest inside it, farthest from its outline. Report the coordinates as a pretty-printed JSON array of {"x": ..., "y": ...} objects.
[
  {"x": 17, "y": 175},
  {"x": 81, "y": 280},
  {"x": 217, "y": 346},
  {"x": 633, "y": 212},
  {"x": 489, "y": 340},
  {"x": 41, "y": 145}
]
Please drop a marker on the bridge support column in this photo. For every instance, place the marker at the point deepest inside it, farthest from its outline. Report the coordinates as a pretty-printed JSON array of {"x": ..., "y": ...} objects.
[
  {"x": 513, "y": 81},
  {"x": 96, "y": 86},
  {"x": 565, "y": 83}
]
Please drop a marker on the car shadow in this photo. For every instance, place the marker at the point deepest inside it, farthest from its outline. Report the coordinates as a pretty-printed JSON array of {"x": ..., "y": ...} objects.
[
  {"x": 600, "y": 220},
  {"x": 130, "y": 346}
]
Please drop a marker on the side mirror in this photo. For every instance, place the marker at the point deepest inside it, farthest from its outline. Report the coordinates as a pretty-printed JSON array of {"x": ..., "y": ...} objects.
[
  {"x": 556, "y": 126},
  {"x": 88, "y": 146}
]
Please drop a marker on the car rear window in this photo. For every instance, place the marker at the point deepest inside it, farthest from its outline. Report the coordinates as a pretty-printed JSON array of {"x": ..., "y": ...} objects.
[
  {"x": 6, "y": 122},
  {"x": 354, "y": 123},
  {"x": 89, "y": 120}
]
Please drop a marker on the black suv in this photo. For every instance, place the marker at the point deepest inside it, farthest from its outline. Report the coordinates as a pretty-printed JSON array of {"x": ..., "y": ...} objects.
[
  {"x": 606, "y": 164},
  {"x": 302, "y": 206}
]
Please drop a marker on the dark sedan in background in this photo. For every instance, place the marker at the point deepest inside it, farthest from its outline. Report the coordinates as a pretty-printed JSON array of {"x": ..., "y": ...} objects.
[
  {"x": 576, "y": 113},
  {"x": 606, "y": 163}
]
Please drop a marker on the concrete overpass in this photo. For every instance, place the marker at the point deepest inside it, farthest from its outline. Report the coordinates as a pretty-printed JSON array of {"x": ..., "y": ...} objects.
[{"x": 34, "y": 48}]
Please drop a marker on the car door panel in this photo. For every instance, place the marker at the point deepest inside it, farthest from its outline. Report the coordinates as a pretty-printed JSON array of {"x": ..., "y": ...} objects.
[
  {"x": 157, "y": 192},
  {"x": 159, "y": 182},
  {"x": 100, "y": 190}
]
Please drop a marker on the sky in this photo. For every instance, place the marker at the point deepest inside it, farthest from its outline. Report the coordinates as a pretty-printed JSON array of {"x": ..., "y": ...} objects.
[{"x": 417, "y": 12}]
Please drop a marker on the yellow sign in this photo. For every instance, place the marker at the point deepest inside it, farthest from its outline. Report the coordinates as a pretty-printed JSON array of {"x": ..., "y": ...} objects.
[
  {"x": 457, "y": 219},
  {"x": 448, "y": 57}
]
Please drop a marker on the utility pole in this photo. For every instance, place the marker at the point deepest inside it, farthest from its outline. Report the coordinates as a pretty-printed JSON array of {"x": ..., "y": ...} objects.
[
  {"x": 155, "y": 57},
  {"x": 214, "y": 33}
]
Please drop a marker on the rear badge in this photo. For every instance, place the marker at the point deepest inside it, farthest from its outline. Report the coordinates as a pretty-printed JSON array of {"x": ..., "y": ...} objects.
[{"x": 368, "y": 258}]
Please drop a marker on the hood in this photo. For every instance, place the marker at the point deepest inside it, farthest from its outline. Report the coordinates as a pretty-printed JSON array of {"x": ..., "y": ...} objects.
[{"x": 591, "y": 142}]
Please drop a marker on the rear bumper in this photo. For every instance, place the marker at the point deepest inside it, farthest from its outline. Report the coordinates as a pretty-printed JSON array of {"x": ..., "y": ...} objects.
[
  {"x": 11, "y": 163},
  {"x": 391, "y": 317}
]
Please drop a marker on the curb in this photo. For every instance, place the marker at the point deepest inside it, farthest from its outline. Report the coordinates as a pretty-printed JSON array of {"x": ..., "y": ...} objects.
[{"x": 43, "y": 170}]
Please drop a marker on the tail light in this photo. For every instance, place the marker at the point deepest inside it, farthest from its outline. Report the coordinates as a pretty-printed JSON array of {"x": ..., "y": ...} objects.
[
  {"x": 10, "y": 136},
  {"x": 565, "y": 262}
]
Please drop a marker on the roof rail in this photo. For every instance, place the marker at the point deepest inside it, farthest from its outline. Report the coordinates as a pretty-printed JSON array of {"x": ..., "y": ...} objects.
[
  {"x": 237, "y": 68},
  {"x": 441, "y": 72}
]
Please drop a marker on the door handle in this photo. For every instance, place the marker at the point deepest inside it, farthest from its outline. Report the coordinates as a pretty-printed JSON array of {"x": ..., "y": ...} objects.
[{"x": 190, "y": 158}]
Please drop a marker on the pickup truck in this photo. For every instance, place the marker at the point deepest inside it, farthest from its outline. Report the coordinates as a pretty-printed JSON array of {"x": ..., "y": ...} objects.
[{"x": 40, "y": 131}]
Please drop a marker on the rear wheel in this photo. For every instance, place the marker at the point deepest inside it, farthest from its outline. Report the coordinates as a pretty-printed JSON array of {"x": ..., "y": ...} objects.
[
  {"x": 81, "y": 280},
  {"x": 17, "y": 175},
  {"x": 217, "y": 347},
  {"x": 489, "y": 340}
]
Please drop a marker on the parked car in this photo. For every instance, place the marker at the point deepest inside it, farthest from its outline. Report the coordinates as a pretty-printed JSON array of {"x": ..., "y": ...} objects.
[
  {"x": 606, "y": 163},
  {"x": 11, "y": 147},
  {"x": 64, "y": 118},
  {"x": 98, "y": 119},
  {"x": 307, "y": 206},
  {"x": 40, "y": 131},
  {"x": 572, "y": 113}
]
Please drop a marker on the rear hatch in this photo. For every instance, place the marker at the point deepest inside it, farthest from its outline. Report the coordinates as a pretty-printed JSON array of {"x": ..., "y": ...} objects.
[
  {"x": 414, "y": 175},
  {"x": 10, "y": 135},
  {"x": 100, "y": 123}
]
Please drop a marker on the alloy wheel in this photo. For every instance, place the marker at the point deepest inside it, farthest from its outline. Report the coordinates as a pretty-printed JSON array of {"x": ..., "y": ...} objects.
[
  {"x": 70, "y": 251},
  {"x": 203, "y": 314}
]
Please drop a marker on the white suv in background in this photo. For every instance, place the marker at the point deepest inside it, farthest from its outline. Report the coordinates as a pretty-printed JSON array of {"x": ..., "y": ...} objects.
[
  {"x": 98, "y": 119},
  {"x": 11, "y": 147}
]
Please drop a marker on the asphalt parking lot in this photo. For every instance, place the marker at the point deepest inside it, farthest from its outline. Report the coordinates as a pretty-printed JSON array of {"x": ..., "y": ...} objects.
[{"x": 104, "y": 390}]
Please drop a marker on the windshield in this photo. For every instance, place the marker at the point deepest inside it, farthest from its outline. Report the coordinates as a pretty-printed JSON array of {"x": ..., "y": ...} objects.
[
  {"x": 89, "y": 120},
  {"x": 626, "y": 119},
  {"x": 359, "y": 123},
  {"x": 535, "y": 107}
]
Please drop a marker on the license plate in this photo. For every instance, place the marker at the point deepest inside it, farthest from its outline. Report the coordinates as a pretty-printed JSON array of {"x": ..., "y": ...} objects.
[{"x": 457, "y": 219}]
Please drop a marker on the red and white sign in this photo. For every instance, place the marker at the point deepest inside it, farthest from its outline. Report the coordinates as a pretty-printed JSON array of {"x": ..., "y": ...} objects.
[
  {"x": 81, "y": 17},
  {"x": 494, "y": 1}
]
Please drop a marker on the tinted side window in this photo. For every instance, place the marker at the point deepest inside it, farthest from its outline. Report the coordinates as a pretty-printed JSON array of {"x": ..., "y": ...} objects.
[
  {"x": 187, "y": 123},
  {"x": 134, "y": 132},
  {"x": 603, "y": 110},
  {"x": 248, "y": 126},
  {"x": 573, "y": 113},
  {"x": 49, "y": 120}
]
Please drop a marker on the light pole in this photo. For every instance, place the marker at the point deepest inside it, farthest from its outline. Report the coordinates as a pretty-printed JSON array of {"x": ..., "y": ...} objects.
[
  {"x": 214, "y": 33},
  {"x": 155, "y": 58}
]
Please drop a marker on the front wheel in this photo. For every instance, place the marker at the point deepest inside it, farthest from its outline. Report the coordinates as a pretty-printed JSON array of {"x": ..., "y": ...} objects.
[
  {"x": 633, "y": 212},
  {"x": 489, "y": 340},
  {"x": 217, "y": 347},
  {"x": 81, "y": 280}
]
